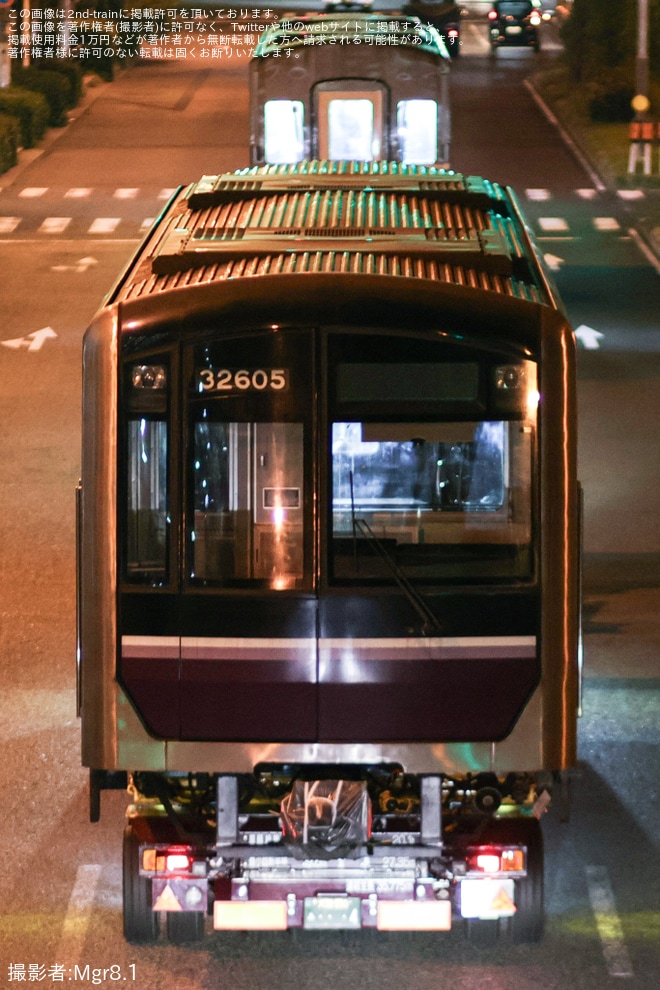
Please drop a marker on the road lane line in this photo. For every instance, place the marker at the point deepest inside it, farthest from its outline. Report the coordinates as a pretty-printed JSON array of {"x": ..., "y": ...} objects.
[
  {"x": 78, "y": 914},
  {"x": 607, "y": 921},
  {"x": 645, "y": 249}
]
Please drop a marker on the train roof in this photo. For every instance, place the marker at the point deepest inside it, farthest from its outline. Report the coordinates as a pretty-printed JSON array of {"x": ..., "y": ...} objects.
[
  {"x": 312, "y": 30},
  {"x": 410, "y": 222}
]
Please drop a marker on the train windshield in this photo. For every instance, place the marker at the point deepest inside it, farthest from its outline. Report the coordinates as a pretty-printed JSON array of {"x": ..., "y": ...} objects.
[
  {"x": 452, "y": 500},
  {"x": 431, "y": 465}
]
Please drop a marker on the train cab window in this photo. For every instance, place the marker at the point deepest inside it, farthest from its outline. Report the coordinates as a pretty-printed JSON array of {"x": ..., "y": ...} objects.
[
  {"x": 283, "y": 131},
  {"x": 248, "y": 504},
  {"x": 442, "y": 500},
  {"x": 350, "y": 123},
  {"x": 417, "y": 126}
]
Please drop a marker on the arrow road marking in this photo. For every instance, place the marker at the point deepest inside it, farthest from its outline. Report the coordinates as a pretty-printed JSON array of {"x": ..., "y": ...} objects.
[
  {"x": 33, "y": 341},
  {"x": 588, "y": 337},
  {"x": 553, "y": 262}
]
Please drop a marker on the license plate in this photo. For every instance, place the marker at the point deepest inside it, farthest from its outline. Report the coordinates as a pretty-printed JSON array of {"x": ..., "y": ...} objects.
[
  {"x": 514, "y": 30},
  {"x": 332, "y": 912}
]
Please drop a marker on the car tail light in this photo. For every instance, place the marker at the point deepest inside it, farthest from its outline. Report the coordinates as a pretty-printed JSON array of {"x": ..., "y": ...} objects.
[
  {"x": 492, "y": 14},
  {"x": 535, "y": 19}
]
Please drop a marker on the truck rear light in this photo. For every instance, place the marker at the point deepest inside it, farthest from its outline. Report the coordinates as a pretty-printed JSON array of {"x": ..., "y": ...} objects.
[
  {"x": 496, "y": 860},
  {"x": 488, "y": 862},
  {"x": 177, "y": 861},
  {"x": 250, "y": 916}
]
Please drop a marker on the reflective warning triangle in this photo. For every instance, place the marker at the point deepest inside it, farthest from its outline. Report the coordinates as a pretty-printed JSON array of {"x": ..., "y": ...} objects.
[
  {"x": 502, "y": 903},
  {"x": 167, "y": 901}
]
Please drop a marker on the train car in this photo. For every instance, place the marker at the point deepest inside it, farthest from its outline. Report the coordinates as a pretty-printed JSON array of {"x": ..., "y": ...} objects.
[
  {"x": 357, "y": 86},
  {"x": 328, "y": 555}
]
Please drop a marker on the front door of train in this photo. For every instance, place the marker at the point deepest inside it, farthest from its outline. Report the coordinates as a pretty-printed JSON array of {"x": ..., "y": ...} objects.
[{"x": 218, "y": 613}]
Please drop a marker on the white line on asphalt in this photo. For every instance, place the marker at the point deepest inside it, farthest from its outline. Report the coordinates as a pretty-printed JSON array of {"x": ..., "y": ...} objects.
[
  {"x": 9, "y": 224},
  {"x": 78, "y": 192},
  {"x": 552, "y": 223},
  {"x": 645, "y": 249},
  {"x": 607, "y": 921},
  {"x": 538, "y": 194},
  {"x": 606, "y": 223},
  {"x": 54, "y": 225},
  {"x": 126, "y": 193},
  {"x": 104, "y": 225},
  {"x": 78, "y": 913},
  {"x": 31, "y": 192},
  {"x": 565, "y": 136}
]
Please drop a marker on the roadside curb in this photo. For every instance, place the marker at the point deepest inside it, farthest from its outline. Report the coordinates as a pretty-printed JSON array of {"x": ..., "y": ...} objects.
[{"x": 646, "y": 235}]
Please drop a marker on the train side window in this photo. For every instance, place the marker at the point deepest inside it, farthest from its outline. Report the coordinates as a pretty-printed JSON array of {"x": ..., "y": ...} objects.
[
  {"x": 284, "y": 131},
  {"x": 417, "y": 126},
  {"x": 147, "y": 510},
  {"x": 248, "y": 504}
]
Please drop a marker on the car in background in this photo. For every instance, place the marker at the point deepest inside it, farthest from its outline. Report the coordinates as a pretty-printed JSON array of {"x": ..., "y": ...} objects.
[
  {"x": 445, "y": 18},
  {"x": 515, "y": 22}
]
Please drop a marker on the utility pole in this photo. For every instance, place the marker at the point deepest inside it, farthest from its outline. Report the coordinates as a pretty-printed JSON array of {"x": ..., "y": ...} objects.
[{"x": 642, "y": 64}]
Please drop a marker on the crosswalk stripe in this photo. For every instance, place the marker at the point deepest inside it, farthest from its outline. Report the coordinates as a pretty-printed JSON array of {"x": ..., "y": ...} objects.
[
  {"x": 104, "y": 225},
  {"x": 606, "y": 223},
  {"x": 553, "y": 223},
  {"x": 9, "y": 224},
  {"x": 126, "y": 193},
  {"x": 78, "y": 192},
  {"x": 32, "y": 192},
  {"x": 538, "y": 195},
  {"x": 54, "y": 225}
]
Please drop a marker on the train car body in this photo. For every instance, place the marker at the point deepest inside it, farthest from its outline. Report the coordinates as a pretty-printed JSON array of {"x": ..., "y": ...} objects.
[
  {"x": 328, "y": 553},
  {"x": 356, "y": 86}
]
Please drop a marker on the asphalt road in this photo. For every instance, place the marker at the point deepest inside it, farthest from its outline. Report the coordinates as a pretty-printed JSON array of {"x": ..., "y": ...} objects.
[{"x": 69, "y": 219}]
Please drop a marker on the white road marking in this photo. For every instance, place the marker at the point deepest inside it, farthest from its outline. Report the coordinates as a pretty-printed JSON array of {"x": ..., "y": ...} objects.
[
  {"x": 104, "y": 225},
  {"x": 606, "y": 223},
  {"x": 126, "y": 193},
  {"x": 589, "y": 337},
  {"x": 587, "y": 193},
  {"x": 9, "y": 224},
  {"x": 31, "y": 192},
  {"x": 78, "y": 192},
  {"x": 78, "y": 914},
  {"x": 54, "y": 225},
  {"x": 553, "y": 223},
  {"x": 630, "y": 193},
  {"x": 608, "y": 923},
  {"x": 166, "y": 193},
  {"x": 147, "y": 222},
  {"x": 538, "y": 195},
  {"x": 645, "y": 249}
]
